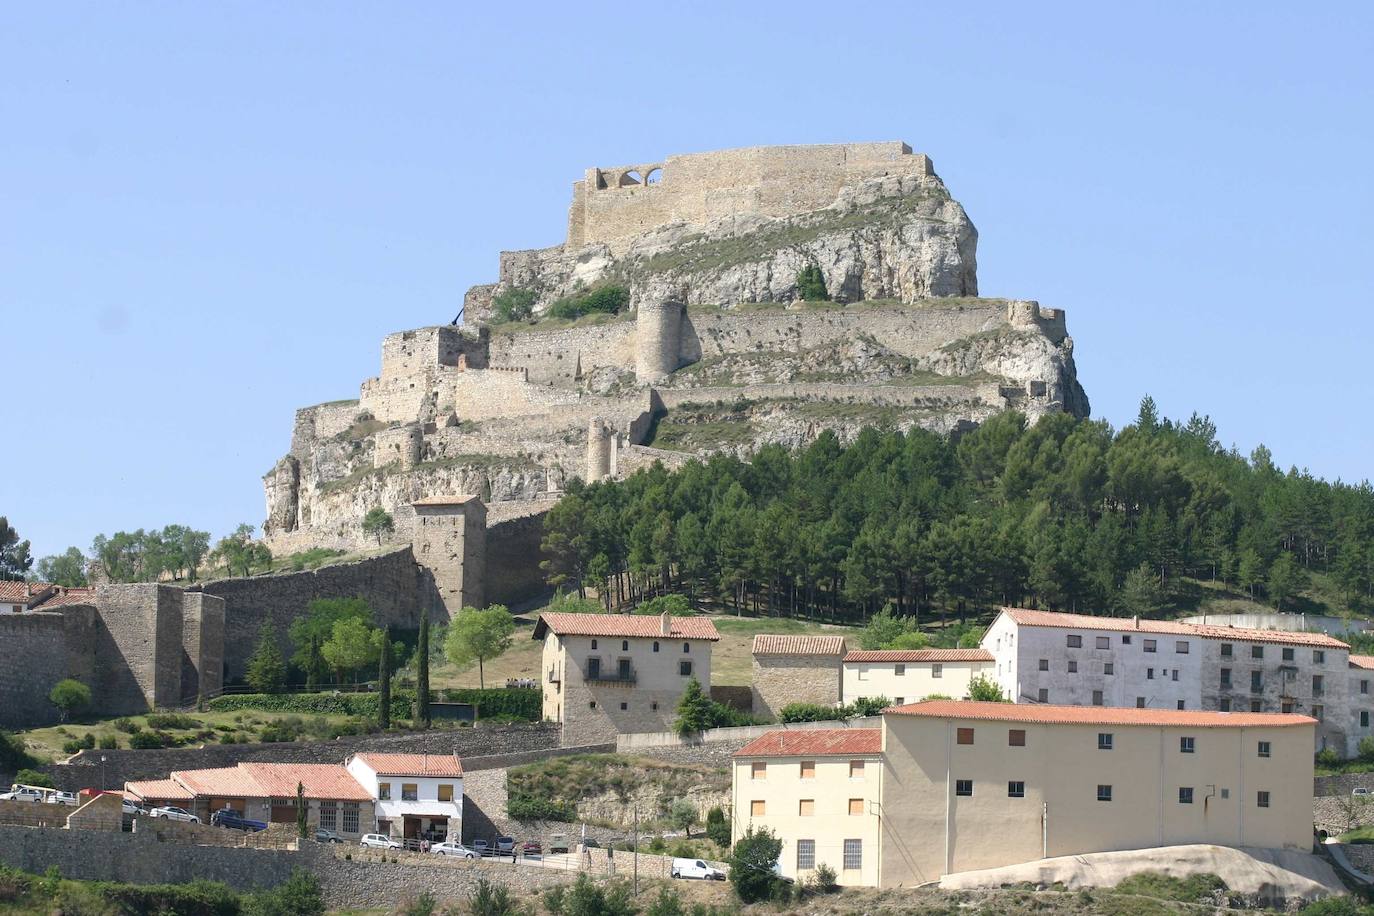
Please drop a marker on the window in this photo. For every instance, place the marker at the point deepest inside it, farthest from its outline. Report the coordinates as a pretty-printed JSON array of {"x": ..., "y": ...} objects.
[
  {"x": 806, "y": 807},
  {"x": 937, "y": 670},
  {"x": 1150, "y": 645},
  {"x": 591, "y": 704},
  {"x": 1226, "y": 650},
  {"x": 1126, "y": 639},
  {"x": 1104, "y": 642},
  {"x": 655, "y": 645},
  {"x": 684, "y": 668},
  {"x": 624, "y": 645},
  {"x": 1185, "y": 795},
  {"x": 1186, "y": 745},
  {"x": 384, "y": 791},
  {"x": 445, "y": 792},
  {"x": 409, "y": 792},
  {"x": 1319, "y": 713},
  {"x": 758, "y": 770},
  {"x": 1016, "y": 790},
  {"x": 1364, "y": 718},
  {"x": 1288, "y": 655},
  {"x": 1256, "y": 685},
  {"x": 686, "y": 647},
  {"x": 1016, "y": 737},
  {"x": 624, "y": 707},
  {"x": 856, "y": 769},
  {"x": 1104, "y": 793},
  {"x": 1318, "y": 656},
  {"x": 901, "y": 670},
  {"x": 1286, "y": 706},
  {"x": 1104, "y": 741},
  {"x": 856, "y": 806},
  {"x": 654, "y": 705},
  {"x": 1181, "y": 647},
  {"x": 1173, "y": 675},
  {"x": 1108, "y": 668},
  {"x": 1225, "y": 793},
  {"x": 329, "y": 815},
  {"x": 1257, "y": 651},
  {"x": 1097, "y": 698},
  {"x": 898, "y": 701},
  {"x": 1042, "y": 695},
  {"x": 1139, "y": 702},
  {"x": 964, "y": 736},
  {"x": 1364, "y": 686},
  {"x": 1149, "y": 674},
  {"x": 756, "y": 808},
  {"x": 1073, "y": 667},
  {"x": 1225, "y": 704},
  {"x": 1318, "y": 685},
  {"x": 1225, "y": 678},
  {"x": 1044, "y": 664},
  {"x": 1181, "y": 704},
  {"x": 963, "y": 787},
  {"x": 1262, "y": 799},
  {"x": 1075, "y": 641},
  {"x": 808, "y": 769},
  {"x": 853, "y": 854},
  {"x": 593, "y": 643},
  {"x": 806, "y": 855},
  {"x": 1256, "y": 706},
  {"x": 350, "y": 817}
]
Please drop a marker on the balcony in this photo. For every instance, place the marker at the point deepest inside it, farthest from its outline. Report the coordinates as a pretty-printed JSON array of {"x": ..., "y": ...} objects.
[
  {"x": 624, "y": 675},
  {"x": 554, "y": 676}
]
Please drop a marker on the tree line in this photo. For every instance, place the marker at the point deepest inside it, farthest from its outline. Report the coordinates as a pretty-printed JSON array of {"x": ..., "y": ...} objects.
[{"x": 1063, "y": 513}]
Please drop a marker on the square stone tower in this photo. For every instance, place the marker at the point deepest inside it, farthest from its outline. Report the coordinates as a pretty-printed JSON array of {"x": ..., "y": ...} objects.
[{"x": 450, "y": 542}]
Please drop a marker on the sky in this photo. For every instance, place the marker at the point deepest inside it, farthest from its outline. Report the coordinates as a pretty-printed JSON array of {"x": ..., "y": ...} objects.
[{"x": 211, "y": 214}]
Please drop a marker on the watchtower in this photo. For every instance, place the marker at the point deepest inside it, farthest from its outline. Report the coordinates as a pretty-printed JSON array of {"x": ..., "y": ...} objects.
[{"x": 450, "y": 542}]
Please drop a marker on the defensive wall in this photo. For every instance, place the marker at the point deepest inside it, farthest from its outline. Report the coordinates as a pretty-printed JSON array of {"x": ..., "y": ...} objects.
[
  {"x": 513, "y": 573},
  {"x": 614, "y": 205},
  {"x": 42, "y": 649}
]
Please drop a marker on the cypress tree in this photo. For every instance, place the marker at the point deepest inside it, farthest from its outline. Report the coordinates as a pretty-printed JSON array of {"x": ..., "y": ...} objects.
[
  {"x": 302, "y": 812},
  {"x": 384, "y": 688},
  {"x": 422, "y": 676}
]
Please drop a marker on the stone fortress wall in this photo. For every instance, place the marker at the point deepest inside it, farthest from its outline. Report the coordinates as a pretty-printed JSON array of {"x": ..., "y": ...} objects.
[{"x": 617, "y": 204}]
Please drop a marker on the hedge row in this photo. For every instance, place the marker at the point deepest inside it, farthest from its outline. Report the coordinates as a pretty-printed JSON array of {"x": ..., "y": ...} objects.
[
  {"x": 514, "y": 702},
  {"x": 197, "y": 898},
  {"x": 340, "y": 704}
]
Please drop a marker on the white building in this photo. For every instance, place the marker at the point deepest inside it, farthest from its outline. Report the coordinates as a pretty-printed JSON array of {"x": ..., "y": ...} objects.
[
  {"x": 417, "y": 796},
  {"x": 911, "y": 675},
  {"x": 1076, "y": 659}
]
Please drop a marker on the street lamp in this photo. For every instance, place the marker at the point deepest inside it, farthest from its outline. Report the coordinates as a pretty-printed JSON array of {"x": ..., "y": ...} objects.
[{"x": 103, "y": 786}]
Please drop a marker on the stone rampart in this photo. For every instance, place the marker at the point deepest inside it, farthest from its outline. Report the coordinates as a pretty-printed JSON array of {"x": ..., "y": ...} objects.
[
  {"x": 390, "y": 583},
  {"x": 558, "y": 356},
  {"x": 513, "y": 573},
  {"x": 41, "y": 649},
  {"x": 884, "y": 395},
  {"x": 323, "y": 421}
]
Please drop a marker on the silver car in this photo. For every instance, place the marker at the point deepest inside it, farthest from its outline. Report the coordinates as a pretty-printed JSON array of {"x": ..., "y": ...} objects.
[
  {"x": 173, "y": 813},
  {"x": 456, "y": 850}
]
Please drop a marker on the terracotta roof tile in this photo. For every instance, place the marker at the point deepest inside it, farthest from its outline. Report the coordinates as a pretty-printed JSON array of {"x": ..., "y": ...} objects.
[
  {"x": 639, "y": 626},
  {"x": 21, "y": 592},
  {"x": 413, "y": 764},
  {"x": 157, "y": 790},
  {"x": 455, "y": 500},
  {"x": 1094, "y": 715},
  {"x": 920, "y": 655},
  {"x": 815, "y": 742},
  {"x": 1031, "y": 618},
  {"x": 771, "y": 644},
  {"x": 231, "y": 781},
  {"x": 320, "y": 780},
  {"x": 66, "y": 596},
  {"x": 1362, "y": 661}
]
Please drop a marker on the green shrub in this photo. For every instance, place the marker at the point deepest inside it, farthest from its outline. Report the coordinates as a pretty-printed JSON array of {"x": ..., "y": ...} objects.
[
  {"x": 146, "y": 741},
  {"x": 718, "y": 827},
  {"x": 807, "y": 712},
  {"x": 13, "y": 756},
  {"x": 71, "y": 746},
  {"x": 530, "y": 808},
  {"x": 513, "y": 305},
  {"x": 109, "y": 743},
  {"x": 299, "y": 895},
  {"x": 14, "y": 884},
  {"x": 1328, "y": 758},
  {"x": 605, "y": 299},
  {"x": 282, "y": 730},
  {"x": 811, "y": 284},
  {"x": 164, "y": 720},
  {"x": 522, "y": 703},
  {"x": 197, "y": 898},
  {"x": 491, "y": 899},
  {"x": 364, "y": 705},
  {"x": 825, "y": 879},
  {"x": 674, "y": 604},
  {"x": 127, "y": 725},
  {"x": 1193, "y": 889},
  {"x": 28, "y": 777}
]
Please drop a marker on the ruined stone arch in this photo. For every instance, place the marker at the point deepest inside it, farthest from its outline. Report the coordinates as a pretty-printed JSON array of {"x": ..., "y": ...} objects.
[
  {"x": 653, "y": 174},
  {"x": 630, "y": 178}
]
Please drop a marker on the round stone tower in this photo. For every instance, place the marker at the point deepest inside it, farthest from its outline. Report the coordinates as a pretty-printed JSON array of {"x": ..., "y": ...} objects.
[
  {"x": 598, "y": 450},
  {"x": 658, "y": 340},
  {"x": 398, "y": 444}
]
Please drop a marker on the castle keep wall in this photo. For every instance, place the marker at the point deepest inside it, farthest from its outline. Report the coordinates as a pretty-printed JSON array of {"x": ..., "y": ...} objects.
[
  {"x": 554, "y": 356},
  {"x": 42, "y": 649},
  {"x": 513, "y": 573}
]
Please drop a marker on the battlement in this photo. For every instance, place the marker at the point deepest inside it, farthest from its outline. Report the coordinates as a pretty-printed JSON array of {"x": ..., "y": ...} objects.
[{"x": 615, "y": 204}]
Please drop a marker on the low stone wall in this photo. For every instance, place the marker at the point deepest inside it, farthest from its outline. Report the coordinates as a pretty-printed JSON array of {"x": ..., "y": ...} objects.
[
  {"x": 1343, "y": 784},
  {"x": 366, "y": 881},
  {"x": 33, "y": 814},
  {"x": 104, "y": 812},
  {"x": 121, "y": 766}
]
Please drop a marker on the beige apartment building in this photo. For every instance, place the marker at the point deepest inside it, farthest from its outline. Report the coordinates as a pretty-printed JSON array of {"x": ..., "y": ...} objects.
[
  {"x": 608, "y": 674},
  {"x": 911, "y": 675},
  {"x": 819, "y": 790},
  {"x": 968, "y": 785}
]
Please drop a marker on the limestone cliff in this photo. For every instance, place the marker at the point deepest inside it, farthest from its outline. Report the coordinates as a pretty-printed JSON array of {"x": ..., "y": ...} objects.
[{"x": 716, "y": 352}]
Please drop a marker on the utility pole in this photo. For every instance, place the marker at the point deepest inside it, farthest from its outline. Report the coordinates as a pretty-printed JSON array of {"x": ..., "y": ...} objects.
[{"x": 636, "y": 852}]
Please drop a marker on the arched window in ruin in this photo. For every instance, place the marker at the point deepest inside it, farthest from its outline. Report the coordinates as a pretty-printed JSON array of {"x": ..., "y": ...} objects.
[
  {"x": 654, "y": 177},
  {"x": 630, "y": 179}
]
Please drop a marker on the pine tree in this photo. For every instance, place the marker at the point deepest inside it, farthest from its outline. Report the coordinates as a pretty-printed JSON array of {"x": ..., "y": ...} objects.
[
  {"x": 693, "y": 710},
  {"x": 384, "y": 677},
  {"x": 422, "y": 675},
  {"x": 266, "y": 669}
]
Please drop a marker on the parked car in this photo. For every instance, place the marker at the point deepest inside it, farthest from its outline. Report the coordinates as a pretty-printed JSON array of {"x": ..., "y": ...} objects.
[
  {"x": 24, "y": 793},
  {"x": 1360, "y": 792},
  {"x": 379, "y": 841},
  {"x": 481, "y": 847},
  {"x": 173, "y": 813},
  {"x": 327, "y": 836},
  {"x": 505, "y": 846},
  {"x": 531, "y": 848},
  {"x": 591, "y": 842},
  {"x": 454, "y": 850},
  {"x": 558, "y": 843},
  {"x": 697, "y": 869},
  {"x": 228, "y": 817},
  {"x": 63, "y": 798},
  {"x": 133, "y": 808}
]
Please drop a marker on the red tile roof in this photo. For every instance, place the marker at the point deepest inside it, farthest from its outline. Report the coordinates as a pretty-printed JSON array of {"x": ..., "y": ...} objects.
[
  {"x": 66, "y": 596},
  {"x": 640, "y": 626},
  {"x": 1094, "y": 715},
  {"x": 156, "y": 790},
  {"x": 20, "y": 592},
  {"x": 771, "y": 644},
  {"x": 273, "y": 780},
  {"x": 1362, "y": 661},
  {"x": 815, "y": 742},
  {"x": 1031, "y": 618},
  {"x": 413, "y": 764},
  {"x": 920, "y": 655}
]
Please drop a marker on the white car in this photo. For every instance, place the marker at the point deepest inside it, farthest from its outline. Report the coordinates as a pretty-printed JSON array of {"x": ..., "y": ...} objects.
[
  {"x": 63, "y": 798},
  {"x": 696, "y": 868},
  {"x": 379, "y": 841},
  {"x": 173, "y": 813},
  {"x": 457, "y": 850},
  {"x": 132, "y": 808},
  {"x": 1360, "y": 792},
  {"x": 23, "y": 793}
]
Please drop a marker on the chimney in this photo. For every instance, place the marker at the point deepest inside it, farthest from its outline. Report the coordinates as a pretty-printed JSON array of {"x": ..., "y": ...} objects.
[
  {"x": 1135, "y": 622},
  {"x": 665, "y": 625}
]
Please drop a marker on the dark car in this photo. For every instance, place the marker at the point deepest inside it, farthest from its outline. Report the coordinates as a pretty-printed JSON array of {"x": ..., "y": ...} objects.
[
  {"x": 481, "y": 847},
  {"x": 228, "y": 817},
  {"x": 531, "y": 848},
  {"x": 327, "y": 836}
]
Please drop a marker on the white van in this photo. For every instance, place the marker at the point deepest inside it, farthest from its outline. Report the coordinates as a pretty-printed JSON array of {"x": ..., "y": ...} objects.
[{"x": 696, "y": 868}]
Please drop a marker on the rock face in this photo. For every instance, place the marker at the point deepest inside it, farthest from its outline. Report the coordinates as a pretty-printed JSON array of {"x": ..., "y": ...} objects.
[{"x": 716, "y": 352}]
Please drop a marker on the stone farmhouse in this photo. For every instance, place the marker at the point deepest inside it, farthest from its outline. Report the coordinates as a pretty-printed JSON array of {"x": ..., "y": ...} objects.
[
  {"x": 1049, "y": 657},
  {"x": 609, "y": 674},
  {"x": 910, "y": 675},
  {"x": 795, "y": 669},
  {"x": 946, "y": 786},
  {"x": 415, "y": 795}
]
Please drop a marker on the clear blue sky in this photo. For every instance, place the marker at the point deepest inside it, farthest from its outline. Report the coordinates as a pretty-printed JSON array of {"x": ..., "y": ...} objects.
[{"x": 210, "y": 214}]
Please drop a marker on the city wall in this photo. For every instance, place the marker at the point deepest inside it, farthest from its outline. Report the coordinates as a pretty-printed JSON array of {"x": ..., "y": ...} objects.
[
  {"x": 42, "y": 649},
  {"x": 513, "y": 573}
]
